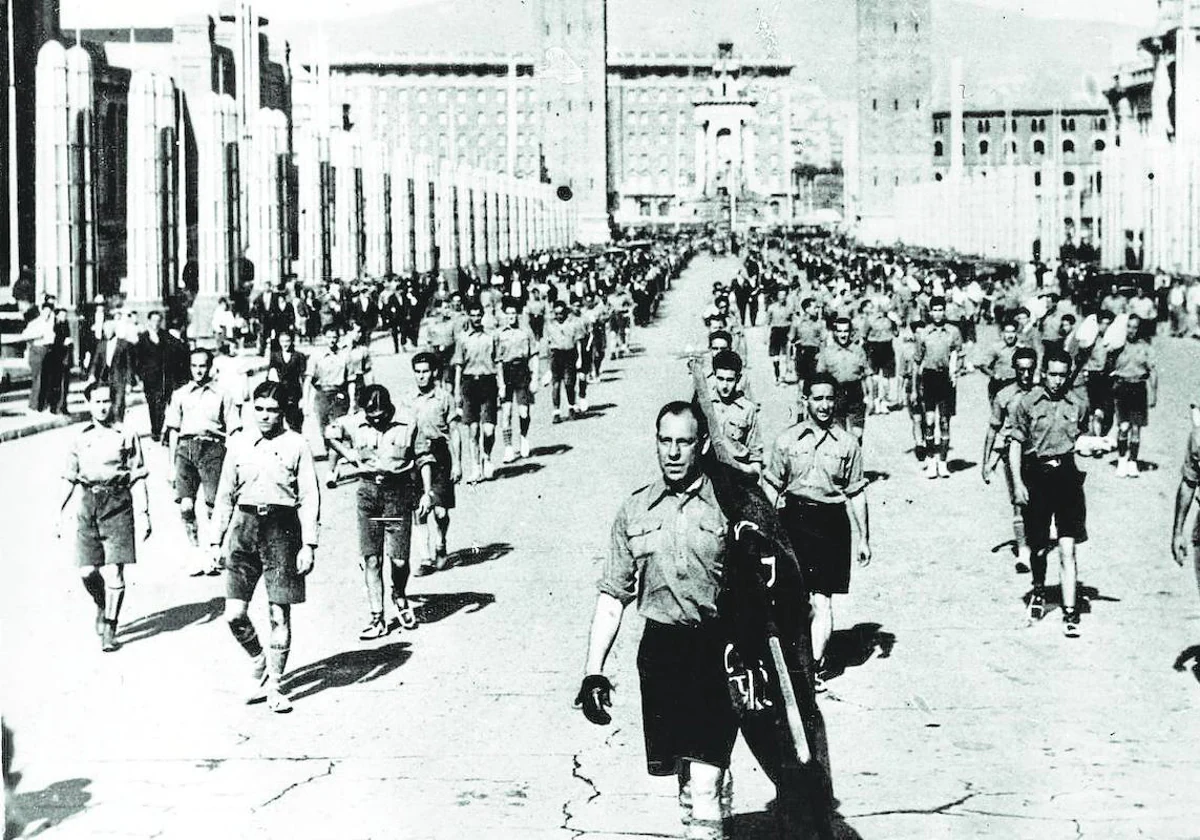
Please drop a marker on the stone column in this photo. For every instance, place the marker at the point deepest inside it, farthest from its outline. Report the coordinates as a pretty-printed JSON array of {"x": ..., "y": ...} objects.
[{"x": 701, "y": 164}]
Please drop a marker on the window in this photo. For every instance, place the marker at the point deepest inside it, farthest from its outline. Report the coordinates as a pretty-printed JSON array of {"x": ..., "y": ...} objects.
[
  {"x": 1068, "y": 146},
  {"x": 917, "y": 104},
  {"x": 1103, "y": 124},
  {"x": 1037, "y": 179},
  {"x": 938, "y": 149},
  {"x": 895, "y": 104},
  {"x": 1014, "y": 147},
  {"x": 1039, "y": 147},
  {"x": 916, "y": 26},
  {"x": 501, "y": 96},
  {"x": 423, "y": 97},
  {"x": 896, "y": 181},
  {"x": 1099, "y": 182},
  {"x": 979, "y": 126},
  {"x": 1071, "y": 124},
  {"x": 1068, "y": 179},
  {"x": 1033, "y": 125},
  {"x": 874, "y": 104},
  {"x": 937, "y": 176},
  {"x": 983, "y": 147},
  {"x": 895, "y": 27},
  {"x": 1099, "y": 145},
  {"x": 1014, "y": 126}
]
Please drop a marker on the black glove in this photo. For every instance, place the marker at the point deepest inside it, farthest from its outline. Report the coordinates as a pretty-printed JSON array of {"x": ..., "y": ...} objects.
[{"x": 594, "y": 694}]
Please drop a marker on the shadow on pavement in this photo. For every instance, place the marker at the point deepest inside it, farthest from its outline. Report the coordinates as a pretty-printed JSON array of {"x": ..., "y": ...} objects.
[
  {"x": 1084, "y": 596},
  {"x": 344, "y": 669},
  {"x": 876, "y": 475},
  {"x": 955, "y": 465},
  {"x": 1147, "y": 466},
  {"x": 49, "y": 806},
  {"x": 761, "y": 825},
  {"x": 855, "y": 646},
  {"x": 550, "y": 449},
  {"x": 477, "y": 554},
  {"x": 438, "y": 606},
  {"x": 597, "y": 410},
  {"x": 1192, "y": 655},
  {"x": 514, "y": 470},
  {"x": 1010, "y": 545},
  {"x": 170, "y": 620}
]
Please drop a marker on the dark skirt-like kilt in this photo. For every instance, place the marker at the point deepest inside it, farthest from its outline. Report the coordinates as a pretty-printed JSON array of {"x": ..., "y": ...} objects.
[
  {"x": 820, "y": 535},
  {"x": 686, "y": 709}
]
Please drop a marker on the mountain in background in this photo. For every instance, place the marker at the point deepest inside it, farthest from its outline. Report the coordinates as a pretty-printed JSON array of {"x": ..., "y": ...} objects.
[{"x": 1010, "y": 61}]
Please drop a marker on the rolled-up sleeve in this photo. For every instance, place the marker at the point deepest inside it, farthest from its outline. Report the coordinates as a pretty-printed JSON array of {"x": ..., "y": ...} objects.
[
  {"x": 619, "y": 577},
  {"x": 71, "y": 469},
  {"x": 1016, "y": 427},
  {"x": 754, "y": 444},
  {"x": 776, "y": 473},
  {"x": 1191, "y": 460},
  {"x": 422, "y": 450},
  {"x": 855, "y": 480}
]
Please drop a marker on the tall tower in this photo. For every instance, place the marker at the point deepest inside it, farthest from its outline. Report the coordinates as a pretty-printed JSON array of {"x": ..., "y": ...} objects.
[
  {"x": 895, "y": 89},
  {"x": 572, "y": 72}
]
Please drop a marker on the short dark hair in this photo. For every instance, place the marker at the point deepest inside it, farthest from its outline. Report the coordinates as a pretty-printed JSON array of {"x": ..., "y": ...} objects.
[
  {"x": 816, "y": 379},
  {"x": 1024, "y": 353},
  {"x": 1067, "y": 316},
  {"x": 1009, "y": 322},
  {"x": 425, "y": 358},
  {"x": 723, "y": 334},
  {"x": 1057, "y": 354},
  {"x": 841, "y": 319},
  {"x": 202, "y": 351},
  {"x": 1105, "y": 315},
  {"x": 473, "y": 306},
  {"x": 727, "y": 360},
  {"x": 1021, "y": 310},
  {"x": 268, "y": 391},
  {"x": 376, "y": 397},
  {"x": 937, "y": 300},
  {"x": 679, "y": 408}
]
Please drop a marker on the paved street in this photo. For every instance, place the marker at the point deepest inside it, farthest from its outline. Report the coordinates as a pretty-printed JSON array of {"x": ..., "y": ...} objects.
[{"x": 952, "y": 719}]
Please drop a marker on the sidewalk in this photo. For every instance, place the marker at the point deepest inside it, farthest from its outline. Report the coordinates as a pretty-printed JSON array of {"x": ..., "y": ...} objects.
[{"x": 17, "y": 421}]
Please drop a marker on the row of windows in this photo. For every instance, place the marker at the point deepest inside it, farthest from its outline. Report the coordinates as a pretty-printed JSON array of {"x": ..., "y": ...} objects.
[
  {"x": 1037, "y": 125},
  {"x": 645, "y": 95},
  {"x": 1068, "y": 179},
  {"x": 1039, "y": 147}
]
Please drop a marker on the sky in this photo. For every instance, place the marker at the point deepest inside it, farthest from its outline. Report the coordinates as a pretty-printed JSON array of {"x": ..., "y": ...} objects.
[{"x": 157, "y": 12}]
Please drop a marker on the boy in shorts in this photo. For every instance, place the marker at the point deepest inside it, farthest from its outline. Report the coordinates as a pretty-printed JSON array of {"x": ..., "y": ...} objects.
[
  {"x": 105, "y": 462},
  {"x": 269, "y": 505}
]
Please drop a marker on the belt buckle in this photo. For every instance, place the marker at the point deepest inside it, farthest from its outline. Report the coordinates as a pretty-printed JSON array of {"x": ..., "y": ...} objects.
[
  {"x": 262, "y": 510},
  {"x": 1053, "y": 462},
  {"x": 379, "y": 478}
]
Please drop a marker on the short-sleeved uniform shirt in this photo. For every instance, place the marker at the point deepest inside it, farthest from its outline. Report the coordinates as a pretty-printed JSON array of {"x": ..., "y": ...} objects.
[
  {"x": 668, "y": 552},
  {"x": 204, "y": 410},
  {"x": 1044, "y": 426},
  {"x": 102, "y": 454},
  {"x": 397, "y": 448},
  {"x": 998, "y": 362},
  {"x": 880, "y": 328},
  {"x": 778, "y": 315},
  {"x": 806, "y": 331},
  {"x": 276, "y": 470},
  {"x": 845, "y": 364},
  {"x": 435, "y": 410},
  {"x": 515, "y": 345},
  {"x": 935, "y": 344},
  {"x": 738, "y": 423},
  {"x": 1002, "y": 407},
  {"x": 331, "y": 371},
  {"x": 815, "y": 464},
  {"x": 563, "y": 335},
  {"x": 1134, "y": 362},
  {"x": 476, "y": 352}
]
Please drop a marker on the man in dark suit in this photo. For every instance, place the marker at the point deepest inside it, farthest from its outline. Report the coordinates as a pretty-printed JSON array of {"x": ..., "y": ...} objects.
[
  {"x": 158, "y": 353},
  {"x": 289, "y": 367},
  {"x": 275, "y": 315},
  {"x": 113, "y": 365},
  {"x": 364, "y": 311}
]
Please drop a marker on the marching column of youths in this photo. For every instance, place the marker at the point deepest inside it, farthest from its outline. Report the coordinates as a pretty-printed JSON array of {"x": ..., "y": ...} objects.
[
  {"x": 242, "y": 461},
  {"x": 856, "y": 332},
  {"x": 850, "y": 333}
]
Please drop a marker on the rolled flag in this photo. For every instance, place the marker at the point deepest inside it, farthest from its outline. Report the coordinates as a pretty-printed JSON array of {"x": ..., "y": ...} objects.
[
  {"x": 1084, "y": 336},
  {"x": 1114, "y": 336}
]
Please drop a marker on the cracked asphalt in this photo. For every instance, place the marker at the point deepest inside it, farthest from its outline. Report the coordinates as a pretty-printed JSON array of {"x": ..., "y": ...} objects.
[{"x": 949, "y": 717}]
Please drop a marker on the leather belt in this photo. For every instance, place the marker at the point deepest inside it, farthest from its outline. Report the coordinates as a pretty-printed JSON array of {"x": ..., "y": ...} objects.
[{"x": 265, "y": 510}]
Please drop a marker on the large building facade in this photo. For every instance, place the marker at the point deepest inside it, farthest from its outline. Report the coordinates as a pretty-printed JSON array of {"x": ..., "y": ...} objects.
[
  {"x": 681, "y": 134},
  {"x": 1153, "y": 168},
  {"x": 895, "y": 89},
  {"x": 180, "y": 164}
]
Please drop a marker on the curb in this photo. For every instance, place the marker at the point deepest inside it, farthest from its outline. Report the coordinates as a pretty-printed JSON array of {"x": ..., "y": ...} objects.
[{"x": 72, "y": 417}]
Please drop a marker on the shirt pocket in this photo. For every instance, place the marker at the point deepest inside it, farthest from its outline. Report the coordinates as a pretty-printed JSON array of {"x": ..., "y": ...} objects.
[
  {"x": 644, "y": 538},
  {"x": 707, "y": 541}
]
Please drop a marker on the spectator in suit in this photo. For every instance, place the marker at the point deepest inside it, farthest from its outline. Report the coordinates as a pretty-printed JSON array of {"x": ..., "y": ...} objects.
[
  {"x": 158, "y": 367},
  {"x": 56, "y": 377},
  {"x": 289, "y": 367},
  {"x": 39, "y": 341},
  {"x": 364, "y": 311},
  {"x": 276, "y": 315},
  {"x": 113, "y": 365}
]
